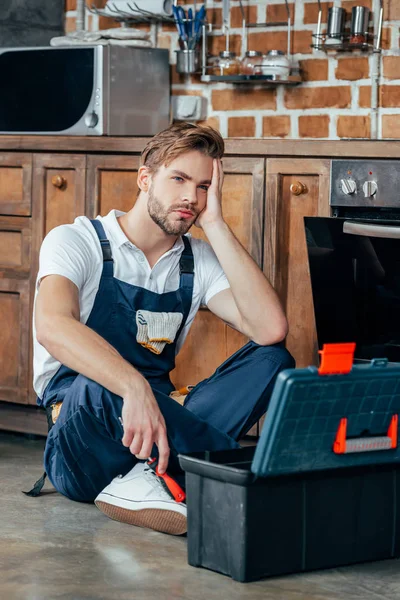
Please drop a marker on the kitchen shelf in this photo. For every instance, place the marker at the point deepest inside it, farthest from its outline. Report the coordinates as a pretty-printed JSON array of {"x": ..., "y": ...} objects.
[
  {"x": 268, "y": 80},
  {"x": 122, "y": 16},
  {"x": 372, "y": 43},
  {"x": 272, "y": 80},
  {"x": 344, "y": 45}
]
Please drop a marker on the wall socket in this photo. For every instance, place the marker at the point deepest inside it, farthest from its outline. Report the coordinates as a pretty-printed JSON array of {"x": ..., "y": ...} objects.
[{"x": 189, "y": 108}]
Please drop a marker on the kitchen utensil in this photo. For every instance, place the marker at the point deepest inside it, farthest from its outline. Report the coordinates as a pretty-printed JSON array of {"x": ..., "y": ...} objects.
[
  {"x": 198, "y": 22},
  {"x": 190, "y": 24},
  {"x": 179, "y": 16}
]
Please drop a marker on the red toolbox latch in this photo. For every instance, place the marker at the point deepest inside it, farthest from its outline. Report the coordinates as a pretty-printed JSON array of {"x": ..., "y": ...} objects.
[{"x": 336, "y": 359}]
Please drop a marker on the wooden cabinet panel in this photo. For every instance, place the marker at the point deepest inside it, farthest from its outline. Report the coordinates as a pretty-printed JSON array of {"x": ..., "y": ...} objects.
[
  {"x": 14, "y": 340},
  {"x": 58, "y": 193},
  {"x": 210, "y": 341},
  {"x": 111, "y": 183},
  {"x": 285, "y": 253},
  {"x": 15, "y": 183},
  {"x": 15, "y": 246},
  {"x": 58, "y": 190},
  {"x": 242, "y": 202},
  {"x": 208, "y": 344}
]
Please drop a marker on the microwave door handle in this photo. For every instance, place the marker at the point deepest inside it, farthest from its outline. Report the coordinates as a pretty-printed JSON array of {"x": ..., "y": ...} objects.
[{"x": 379, "y": 231}]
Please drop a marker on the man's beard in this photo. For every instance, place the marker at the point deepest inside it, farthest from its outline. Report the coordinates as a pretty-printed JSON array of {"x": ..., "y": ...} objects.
[{"x": 160, "y": 216}]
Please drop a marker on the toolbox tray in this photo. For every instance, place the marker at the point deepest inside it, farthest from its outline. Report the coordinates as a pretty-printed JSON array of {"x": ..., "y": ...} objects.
[{"x": 293, "y": 503}]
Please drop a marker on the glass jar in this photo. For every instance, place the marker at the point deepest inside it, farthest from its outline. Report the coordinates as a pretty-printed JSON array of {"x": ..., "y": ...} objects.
[
  {"x": 251, "y": 63},
  {"x": 276, "y": 63},
  {"x": 212, "y": 62},
  {"x": 227, "y": 64}
]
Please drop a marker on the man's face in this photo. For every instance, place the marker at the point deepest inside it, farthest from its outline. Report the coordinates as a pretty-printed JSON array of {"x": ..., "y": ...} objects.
[{"x": 178, "y": 193}]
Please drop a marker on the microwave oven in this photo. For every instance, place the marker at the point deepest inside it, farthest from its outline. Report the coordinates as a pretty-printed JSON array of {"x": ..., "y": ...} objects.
[{"x": 84, "y": 90}]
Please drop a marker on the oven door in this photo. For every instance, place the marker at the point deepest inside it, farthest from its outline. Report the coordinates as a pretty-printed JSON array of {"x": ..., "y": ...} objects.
[
  {"x": 355, "y": 278},
  {"x": 47, "y": 90}
]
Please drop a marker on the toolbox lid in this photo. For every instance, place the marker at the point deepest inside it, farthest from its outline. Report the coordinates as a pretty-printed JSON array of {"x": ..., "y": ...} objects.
[{"x": 320, "y": 421}]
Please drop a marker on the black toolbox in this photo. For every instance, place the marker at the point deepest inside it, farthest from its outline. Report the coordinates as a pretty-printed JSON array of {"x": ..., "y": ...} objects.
[{"x": 320, "y": 489}]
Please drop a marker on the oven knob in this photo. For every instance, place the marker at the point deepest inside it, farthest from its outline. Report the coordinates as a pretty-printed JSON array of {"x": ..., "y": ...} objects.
[
  {"x": 91, "y": 119},
  {"x": 369, "y": 188},
  {"x": 349, "y": 186}
]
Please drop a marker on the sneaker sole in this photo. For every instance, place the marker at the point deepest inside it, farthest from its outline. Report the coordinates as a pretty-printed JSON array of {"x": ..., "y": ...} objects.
[{"x": 165, "y": 521}]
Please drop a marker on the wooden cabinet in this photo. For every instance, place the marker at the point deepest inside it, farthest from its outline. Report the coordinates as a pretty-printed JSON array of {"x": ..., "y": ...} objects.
[
  {"x": 295, "y": 189},
  {"x": 111, "y": 183},
  {"x": 15, "y": 263},
  {"x": 210, "y": 341},
  {"x": 264, "y": 202}
]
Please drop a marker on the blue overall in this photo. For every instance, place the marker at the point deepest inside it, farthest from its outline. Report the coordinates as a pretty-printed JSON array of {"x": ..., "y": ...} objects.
[{"x": 84, "y": 451}]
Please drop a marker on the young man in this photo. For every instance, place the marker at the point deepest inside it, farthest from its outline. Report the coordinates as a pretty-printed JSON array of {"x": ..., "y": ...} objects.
[{"x": 116, "y": 297}]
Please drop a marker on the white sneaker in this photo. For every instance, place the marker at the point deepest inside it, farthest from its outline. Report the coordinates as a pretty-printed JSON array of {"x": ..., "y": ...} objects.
[{"x": 139, "y": 498}]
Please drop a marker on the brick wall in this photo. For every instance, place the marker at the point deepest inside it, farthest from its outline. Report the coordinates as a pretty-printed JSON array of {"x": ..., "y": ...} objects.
[{"x": 334, "y": 100}]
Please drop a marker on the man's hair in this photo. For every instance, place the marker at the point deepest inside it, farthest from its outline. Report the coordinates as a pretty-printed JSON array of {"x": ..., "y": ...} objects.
[{"x": 179, "y": 138}]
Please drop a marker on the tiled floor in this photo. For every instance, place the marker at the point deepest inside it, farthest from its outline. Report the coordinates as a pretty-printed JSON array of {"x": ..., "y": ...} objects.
[{"x": 53, "y": 548}]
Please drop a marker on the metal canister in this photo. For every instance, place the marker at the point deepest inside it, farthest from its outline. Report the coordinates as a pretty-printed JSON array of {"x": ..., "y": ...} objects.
[
  {"x": 187, "y": 61},
  {"x": 359, "y": 20},
  {"x": 336, "y": 16}
]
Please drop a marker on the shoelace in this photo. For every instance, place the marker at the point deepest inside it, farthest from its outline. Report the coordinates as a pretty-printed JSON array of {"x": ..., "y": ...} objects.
[
  {"x": 157, "y": 483},
  {"x": 170, "y": 485}
]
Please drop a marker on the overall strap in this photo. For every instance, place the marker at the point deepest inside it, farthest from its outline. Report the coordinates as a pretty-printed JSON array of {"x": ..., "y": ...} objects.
[
  {"x": 186, "y": 267},
  {"x": 108, "y": 263}
]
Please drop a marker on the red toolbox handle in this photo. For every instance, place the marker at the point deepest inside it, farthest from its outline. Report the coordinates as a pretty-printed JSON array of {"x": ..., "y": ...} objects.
[{"x": 342, "y": 445}]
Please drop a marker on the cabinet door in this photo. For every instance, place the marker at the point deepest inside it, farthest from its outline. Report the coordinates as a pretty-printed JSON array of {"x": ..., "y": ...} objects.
[
  {"x": 58, "y": 192},
  {"x": 111, "y": 183},
  {"x": 15, "y": 183},
  {"x": 58, "y": 189},
  {"x": 15, "y": 259},
  {"x": 210, "y": 341},
  {"x": 14, "y": 340},
  {"x": 295, "y": 189},
  {"x": 58, "y": 195}
]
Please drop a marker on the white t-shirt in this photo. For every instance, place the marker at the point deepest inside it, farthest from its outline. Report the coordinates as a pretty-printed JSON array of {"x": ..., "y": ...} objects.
[{"x": 74, "y": 251}]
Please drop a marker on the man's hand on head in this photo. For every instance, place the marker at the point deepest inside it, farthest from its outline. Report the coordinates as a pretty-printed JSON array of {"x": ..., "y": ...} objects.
[{"x": 212, "y": 213}]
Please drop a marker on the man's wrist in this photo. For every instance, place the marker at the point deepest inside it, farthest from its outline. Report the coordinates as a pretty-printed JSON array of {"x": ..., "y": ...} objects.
[
  {"x": 133, "y": 383},
  {"x": 215, "y": 226}
]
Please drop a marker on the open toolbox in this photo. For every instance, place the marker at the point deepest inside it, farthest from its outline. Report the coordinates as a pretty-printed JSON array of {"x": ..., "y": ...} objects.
[{"x": 322, "y": 485}]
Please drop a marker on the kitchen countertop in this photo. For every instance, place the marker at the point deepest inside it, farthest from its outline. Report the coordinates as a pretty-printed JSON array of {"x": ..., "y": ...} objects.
[{"x": 243, "y": 146}]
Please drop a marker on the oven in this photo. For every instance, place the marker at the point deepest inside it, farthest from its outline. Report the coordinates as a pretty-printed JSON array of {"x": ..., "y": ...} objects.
[{"x": 354, "y": 259}]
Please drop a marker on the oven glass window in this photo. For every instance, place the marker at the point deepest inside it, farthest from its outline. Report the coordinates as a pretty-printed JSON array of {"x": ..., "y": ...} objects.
[
  {"x": 356, "y": 288},
  {"x": 45, "y": 90}
]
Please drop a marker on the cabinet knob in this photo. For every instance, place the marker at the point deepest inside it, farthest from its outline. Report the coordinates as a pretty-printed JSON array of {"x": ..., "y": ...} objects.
[
  {"x": 298, "y": 188},
  {"x": 59, "y": 181}
]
